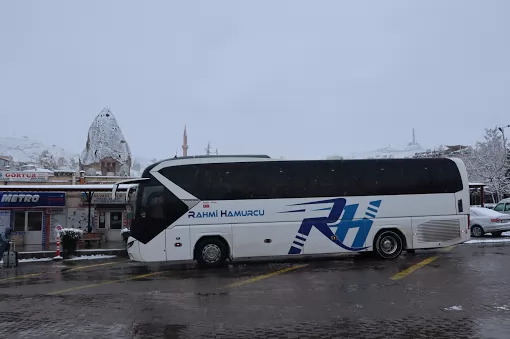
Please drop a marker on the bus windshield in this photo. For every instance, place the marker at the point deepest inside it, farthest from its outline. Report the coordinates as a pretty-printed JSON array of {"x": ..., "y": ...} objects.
[{"x": 131, "y": 199}]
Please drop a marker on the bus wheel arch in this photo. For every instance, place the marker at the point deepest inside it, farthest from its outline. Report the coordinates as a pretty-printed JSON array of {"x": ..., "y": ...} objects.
[
  {"x": 389, "y": 243},
  {"x": 211, "y": 251}
]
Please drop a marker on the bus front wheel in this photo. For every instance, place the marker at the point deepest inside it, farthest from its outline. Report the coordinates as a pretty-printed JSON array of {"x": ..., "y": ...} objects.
[
  {"x": 388, "y": 244},
  {"x": 211, "y": 252}
]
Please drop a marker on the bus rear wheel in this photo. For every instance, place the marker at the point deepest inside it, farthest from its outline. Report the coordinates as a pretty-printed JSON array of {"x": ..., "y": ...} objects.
[
  {"x": 210, "y": 253},
  {"x": 388, "y": 244}
]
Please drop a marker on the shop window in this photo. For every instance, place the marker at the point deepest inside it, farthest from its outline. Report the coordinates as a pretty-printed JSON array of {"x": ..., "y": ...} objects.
[
  {"x": 115, "y": 220},
  {"x": 27, "y": 221},
  {"x": 102, "y": 220},
  {"x": 34, "y": 221},
  {"x": 19, "y": 221}
]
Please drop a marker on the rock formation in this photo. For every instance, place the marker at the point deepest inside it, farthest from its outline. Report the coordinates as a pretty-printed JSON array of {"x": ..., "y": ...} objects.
[{"x": 106, "y": 151}]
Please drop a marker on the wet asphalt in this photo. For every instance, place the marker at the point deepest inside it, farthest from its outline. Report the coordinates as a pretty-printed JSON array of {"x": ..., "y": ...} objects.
[{"x": 458, "y": 293}]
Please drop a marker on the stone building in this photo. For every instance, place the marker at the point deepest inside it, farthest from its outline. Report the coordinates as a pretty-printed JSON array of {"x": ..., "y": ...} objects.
[{"x": 106, "y": 151}]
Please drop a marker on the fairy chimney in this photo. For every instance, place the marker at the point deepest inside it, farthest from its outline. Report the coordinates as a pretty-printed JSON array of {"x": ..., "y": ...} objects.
[{"x": 106, "y": 151}]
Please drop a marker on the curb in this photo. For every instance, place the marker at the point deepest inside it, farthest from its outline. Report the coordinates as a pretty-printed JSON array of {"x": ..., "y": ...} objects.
[{"x": 121, "y": 252}]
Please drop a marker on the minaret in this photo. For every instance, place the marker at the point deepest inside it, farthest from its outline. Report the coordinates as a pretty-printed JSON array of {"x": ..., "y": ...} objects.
[
  {"x": 185, "y": 143},
  {"x": 414, "y": 138}
]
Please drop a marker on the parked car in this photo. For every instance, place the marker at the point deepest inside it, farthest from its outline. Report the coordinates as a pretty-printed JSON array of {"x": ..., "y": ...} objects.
[
  {"x": 503, "y": 206},
  {"x": 485, "y": 220}
]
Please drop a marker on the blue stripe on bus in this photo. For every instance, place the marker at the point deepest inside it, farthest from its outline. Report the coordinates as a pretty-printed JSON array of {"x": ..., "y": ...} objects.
[
  {"x": 300, "y": 238},
  {"x": 372, "y": 209},
  {"x": 370, "y": 214},
  {"x": 376, "y": 203},
  {"x": 303, "y": 210},
  {"x": 297, "y": 243}
]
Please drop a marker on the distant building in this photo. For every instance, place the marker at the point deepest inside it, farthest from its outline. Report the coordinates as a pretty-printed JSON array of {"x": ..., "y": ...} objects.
[
  {"x": 5, "y": 162},
  {"x": 106, "y": 152},
  {"x": 445, "y": 151}
]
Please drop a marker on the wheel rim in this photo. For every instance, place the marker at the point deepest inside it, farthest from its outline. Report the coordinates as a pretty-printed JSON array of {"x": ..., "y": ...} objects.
[
  {"x": 477, "y": 231},
  {"x": 211, "y": 253},
  {"x": 388, "y": 245}
]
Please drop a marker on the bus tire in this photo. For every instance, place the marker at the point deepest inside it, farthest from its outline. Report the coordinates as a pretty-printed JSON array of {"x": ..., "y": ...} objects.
[
  {"x": 388, "y": 244},
  {"x": 211, "y": 252}
]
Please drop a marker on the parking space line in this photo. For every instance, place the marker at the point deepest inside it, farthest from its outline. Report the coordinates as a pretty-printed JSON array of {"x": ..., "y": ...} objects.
[
  {"x": 409, "y": 270},
  {"x": 22, "y": 276},
  {"x": 72, "y": 269},
  {"x": 264, "y": 276},
  {"x": 449, "y": 248},
  {"x": 95, "y": 265},
  {"x": 104, "y": 283}
]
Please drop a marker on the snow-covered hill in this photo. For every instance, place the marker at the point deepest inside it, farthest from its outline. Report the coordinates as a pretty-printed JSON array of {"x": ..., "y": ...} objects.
[{"x": 27, "y": 150}]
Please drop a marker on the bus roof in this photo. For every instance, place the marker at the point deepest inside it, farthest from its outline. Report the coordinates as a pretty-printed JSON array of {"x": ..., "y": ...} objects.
[{"x": 256, "y": 156}]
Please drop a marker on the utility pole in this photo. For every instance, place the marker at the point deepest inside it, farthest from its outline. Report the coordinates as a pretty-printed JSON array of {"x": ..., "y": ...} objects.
[{"x": 89, "y": 195}]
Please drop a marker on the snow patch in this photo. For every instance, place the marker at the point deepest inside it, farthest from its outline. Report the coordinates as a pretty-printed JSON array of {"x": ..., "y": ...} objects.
[
  {"x": 454, "y": 308},
  {"x": 36, "y": 259},
  {"x": 482, "y": 241},
  {"x": 105, "y": 140},
  {"x": 92, "y": 257},
  {"x": 82, "y": 257},
  {"x": 503, "y": 308}
]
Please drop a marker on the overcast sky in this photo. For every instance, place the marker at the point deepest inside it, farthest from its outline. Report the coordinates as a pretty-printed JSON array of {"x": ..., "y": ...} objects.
[{"x": 299, "y": 79}]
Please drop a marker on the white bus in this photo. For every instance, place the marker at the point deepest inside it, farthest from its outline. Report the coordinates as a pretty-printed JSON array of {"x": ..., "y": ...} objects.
[{"x": 215, "y": 208}]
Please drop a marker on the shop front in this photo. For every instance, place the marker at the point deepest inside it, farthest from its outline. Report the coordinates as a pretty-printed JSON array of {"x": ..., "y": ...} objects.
[
  {"x": 109, "y": 214},
  {"x": 26, "y": 213}
]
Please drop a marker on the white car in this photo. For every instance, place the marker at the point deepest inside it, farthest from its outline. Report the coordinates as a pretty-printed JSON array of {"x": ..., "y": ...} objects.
[{"x": 485, "y": 220}]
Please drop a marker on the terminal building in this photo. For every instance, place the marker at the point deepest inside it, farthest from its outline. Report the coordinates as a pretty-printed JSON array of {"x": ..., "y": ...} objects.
[{"x": 33, "y": 211}]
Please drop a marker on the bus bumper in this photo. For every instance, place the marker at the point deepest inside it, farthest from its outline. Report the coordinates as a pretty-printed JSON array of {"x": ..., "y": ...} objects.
[{"x": 133, "y": 249}]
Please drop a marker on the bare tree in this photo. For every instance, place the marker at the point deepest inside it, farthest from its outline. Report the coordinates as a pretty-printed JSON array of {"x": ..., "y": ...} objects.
[
  {"x": 46, "y": 160},
  {"x": 488, "y": 163}
]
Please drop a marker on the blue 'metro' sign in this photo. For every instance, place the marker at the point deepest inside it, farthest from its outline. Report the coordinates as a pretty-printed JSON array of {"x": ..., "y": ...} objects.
[{"x": 32, "y": 199}]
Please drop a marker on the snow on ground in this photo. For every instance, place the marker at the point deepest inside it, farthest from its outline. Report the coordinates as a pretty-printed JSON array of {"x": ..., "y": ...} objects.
[
  {"x": 454, "y": 308},
  {"x": 92, "y": 257},
  {"x": 82, "y": 257},
  {"x": 504, "y": 238},
  {"x": 488, "y": 240}
]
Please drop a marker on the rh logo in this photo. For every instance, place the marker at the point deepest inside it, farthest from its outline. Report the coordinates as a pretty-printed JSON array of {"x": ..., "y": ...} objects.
[{"x": 324, "y": 224}]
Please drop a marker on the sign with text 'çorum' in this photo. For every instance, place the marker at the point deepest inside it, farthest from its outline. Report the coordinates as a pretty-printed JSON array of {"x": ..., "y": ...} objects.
[{"x": 32, "y": 199}]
